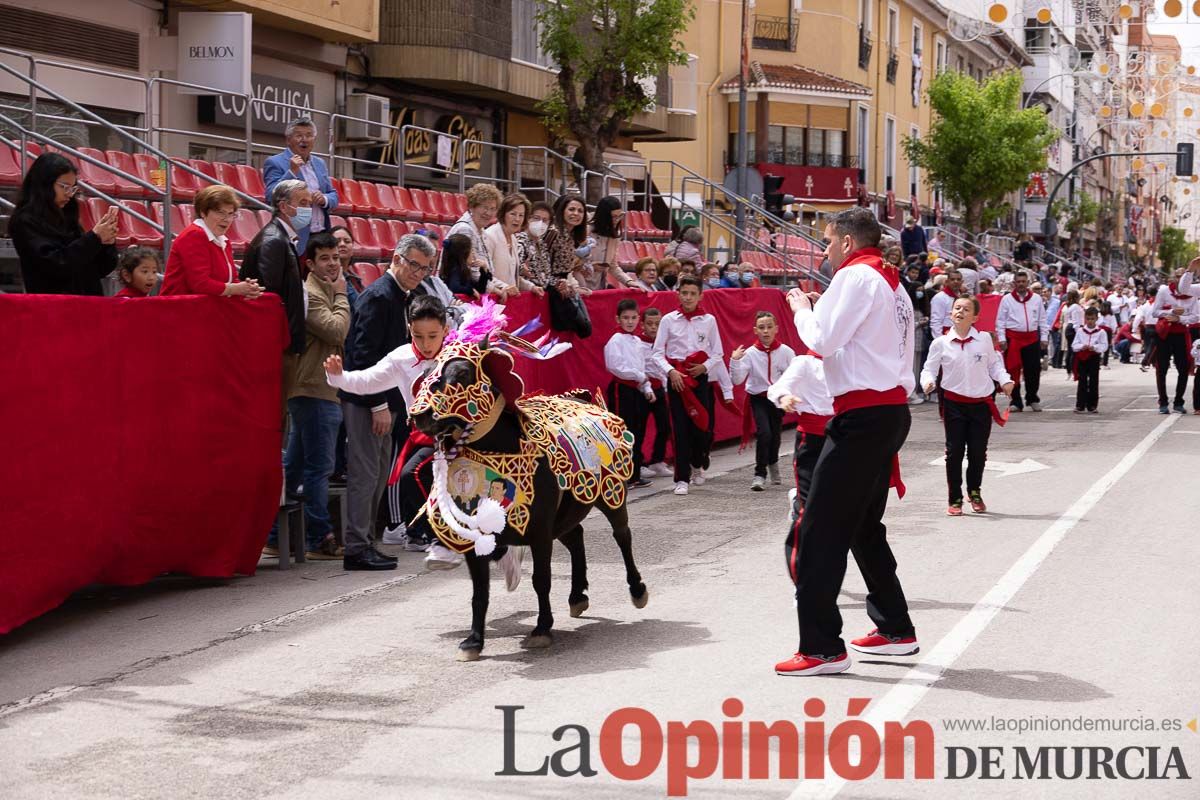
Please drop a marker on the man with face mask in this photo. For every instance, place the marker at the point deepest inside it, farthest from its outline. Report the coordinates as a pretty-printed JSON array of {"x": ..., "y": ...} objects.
[
  {"x": 273, "y": 259},
  {"x": 668, "y": 275}
]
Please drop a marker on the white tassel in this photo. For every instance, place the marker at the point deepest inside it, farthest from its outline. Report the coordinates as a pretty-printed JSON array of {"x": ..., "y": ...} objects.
[{"x": 479, "y": 527}]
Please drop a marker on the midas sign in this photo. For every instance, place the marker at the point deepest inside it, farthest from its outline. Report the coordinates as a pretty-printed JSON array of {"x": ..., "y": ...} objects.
[{"x": 419, "y": 144}]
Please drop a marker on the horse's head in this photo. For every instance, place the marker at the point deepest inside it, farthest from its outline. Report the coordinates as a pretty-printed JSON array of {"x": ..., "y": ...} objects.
[{"x": 460, "y": 390}]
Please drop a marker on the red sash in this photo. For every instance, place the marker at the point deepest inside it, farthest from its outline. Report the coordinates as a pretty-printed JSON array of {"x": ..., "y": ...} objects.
[
  {"x": 695, "y": 409},
  {"x": 813, "y": 424},
  {"x": 866, "y": 398},
  {"x": 999, "y": 418},
  {"x": 1081, "y": 357},
  {"x": 1017, "y": 341}
]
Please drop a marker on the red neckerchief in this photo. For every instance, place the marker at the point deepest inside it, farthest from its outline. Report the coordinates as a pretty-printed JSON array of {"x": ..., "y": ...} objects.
[
  {"x": 964, "y": 342},
  {"x": 690, "y": 315},
  {"x": 645, "y": 338},
  {"x": 873, "y": 258},
  {"x": 775, "y": 345},
  {"x": 1028, "y": 296},
  {"x": 1173, "y": 286},
  {"x": 949, "y": 291}
]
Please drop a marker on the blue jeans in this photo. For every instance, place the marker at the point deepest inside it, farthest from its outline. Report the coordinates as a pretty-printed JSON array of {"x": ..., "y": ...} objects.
[{"x": 309, "y": 460}]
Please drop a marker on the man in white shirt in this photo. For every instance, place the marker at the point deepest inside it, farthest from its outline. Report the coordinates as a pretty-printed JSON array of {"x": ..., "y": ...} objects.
[
  {"x": 1023, "y": 331},
  {"x": 688, "y": 349},
  {"x": 863, "y": 326},
  {"x": 1173, "y": 314}
]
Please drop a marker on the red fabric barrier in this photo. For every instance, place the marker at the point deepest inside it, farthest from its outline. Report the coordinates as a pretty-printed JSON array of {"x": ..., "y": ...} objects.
[
  {"x": 141, "y": 437},
  {"x": 583, "y": 366}
]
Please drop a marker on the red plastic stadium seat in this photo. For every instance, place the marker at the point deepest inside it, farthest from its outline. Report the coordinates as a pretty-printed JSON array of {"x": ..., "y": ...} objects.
[
  {"x": 184, "y": 184},
  {"x": 204, "y": 168},
  {"x": 437, "y": 204},
  {"x": 626, "y": 255},
  {"x": 101, "y": 179},
  {"x": 658, "y": 251},
  {"x": 177, "y": 221},
  {"x": 389, "y": 206},
  {"x": 450, "y": 202},
  {"x": 244, "y": 228},
  {"x": 397, "y": 230},
  {"x": 335, "y": 220},
  {"x": 252, "y": 182},
  {"x": 408, "y": 209},
  {"x": 146, "y": 165},
  {"x": 10, "y": 170},
  {"x": 365, "y": 243},
  {"x": 188, "y": 211},
  {"x": 367, "y": 272},
  {"x": 375, "y": 204},
  {"x": 87, "y": 218},
  {"x": 131, "y": 230},
  {"x": 264, "y": 216},
  {"x": 461, "y": 203},
  {"x": 118, "y": 159},
  {"x": 228, "y": 175},
  {"x": 643, "y": 250},
  {"x": 383, "y": 236},
  {"x": 352, "y": 197},
  {"x": 635, "y": 225},
  {"x": 421, "y": 203}
]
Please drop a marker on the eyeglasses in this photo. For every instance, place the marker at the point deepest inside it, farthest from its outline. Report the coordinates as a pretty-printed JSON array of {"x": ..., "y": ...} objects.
[
  {"x": 224, "y": 214},
  {"x": 69, "y": 188},
  {"x": 421, "y": 269}
]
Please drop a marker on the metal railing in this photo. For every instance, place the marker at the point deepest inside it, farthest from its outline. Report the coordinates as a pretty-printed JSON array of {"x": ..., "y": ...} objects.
[{"x": 775, "y": 33}]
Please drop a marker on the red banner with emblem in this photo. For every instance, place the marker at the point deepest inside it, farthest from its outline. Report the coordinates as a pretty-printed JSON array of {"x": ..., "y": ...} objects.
[{"x": 816, "y": 184}]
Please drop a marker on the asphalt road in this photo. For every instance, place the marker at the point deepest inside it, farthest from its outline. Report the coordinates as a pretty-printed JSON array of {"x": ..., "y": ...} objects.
[{"x": 1071, "y": 604}]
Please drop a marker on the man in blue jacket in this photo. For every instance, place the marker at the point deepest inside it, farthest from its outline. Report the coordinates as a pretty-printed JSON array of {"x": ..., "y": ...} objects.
[{"x": 298, "y": 163}]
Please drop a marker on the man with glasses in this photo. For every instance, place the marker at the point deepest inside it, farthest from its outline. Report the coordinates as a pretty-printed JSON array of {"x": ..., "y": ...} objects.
[
  {"x": 297, "y": 162},
  {"x": 379, "y": 325}
]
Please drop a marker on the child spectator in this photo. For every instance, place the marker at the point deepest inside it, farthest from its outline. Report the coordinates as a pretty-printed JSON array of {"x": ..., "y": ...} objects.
[
  {"x": 629, "y": 393},
  {"x": 1088, "y": 343},
  {"x": 760, "y": 366},
  {"x": 688, "y": 349},
  {"x": 466, "y": 279},
  {"x": 659, "y": 409},
  {"x": 139, "y": 271},
  {"x": 970, "y": 367},
  {"x": 1108, "y": 323}
]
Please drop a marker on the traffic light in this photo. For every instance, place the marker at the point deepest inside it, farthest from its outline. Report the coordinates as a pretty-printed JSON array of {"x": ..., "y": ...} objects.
[
  {"x": 1183, "y": 159},
  {"x": 773, "y": 199}
]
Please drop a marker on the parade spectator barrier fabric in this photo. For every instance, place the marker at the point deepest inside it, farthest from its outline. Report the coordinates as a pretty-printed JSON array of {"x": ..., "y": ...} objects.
[
  {"x": 583, "y": 366},
  {"x": 141, "y": 437}
]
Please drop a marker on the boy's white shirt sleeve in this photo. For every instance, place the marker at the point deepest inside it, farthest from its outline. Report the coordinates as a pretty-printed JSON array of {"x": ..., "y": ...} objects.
[
  {"x": 739, "y": 368},
  {"x": 388, "y": 373},
  {"x": 996, "y": 369},
  {"x": 660, "y": 349},
  {"x": 716, "y": 353},
  {"x": 618, "y": 361},
  {"x": 1185, "y": 285},
  {"x": 932, "y": 362}
]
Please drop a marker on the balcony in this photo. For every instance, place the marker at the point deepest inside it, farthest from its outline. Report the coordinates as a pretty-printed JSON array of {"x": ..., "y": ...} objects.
[
  {"x": 775, "y": 33},
  {"x": 892, "y": 66},
  {"x": 864, "y": 48}
]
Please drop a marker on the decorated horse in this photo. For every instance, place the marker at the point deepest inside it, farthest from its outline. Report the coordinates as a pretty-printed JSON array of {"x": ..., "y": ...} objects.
[{"x": 519, "y": 471}]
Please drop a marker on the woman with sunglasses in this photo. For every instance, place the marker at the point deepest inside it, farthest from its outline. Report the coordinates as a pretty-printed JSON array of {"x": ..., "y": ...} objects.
[{"x": 56, "y": 256}]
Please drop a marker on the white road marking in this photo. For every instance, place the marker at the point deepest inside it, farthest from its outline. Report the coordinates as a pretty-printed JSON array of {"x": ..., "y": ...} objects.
[
  {"x": 908, "y": 691},
  {"x": 1004, "y": 467},
  {"x": 1190, "y": 433}
]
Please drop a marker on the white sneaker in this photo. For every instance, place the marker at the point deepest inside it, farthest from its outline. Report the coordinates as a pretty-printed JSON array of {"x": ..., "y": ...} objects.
[
  {"x": 659, "y": 470},
  {"x": 681, "y": 487},
  {"x": 915, "y": 399},
  {"x": 395, "y": 535},
  {"x": 698, "y": 477},
  {"x": 442, "y": 557},
  {"x": 758, "y": 484},
  {"x": 773, "y": 471},
  {"x": 792, "y": 506},
  {"x": 510, "y": 562}
]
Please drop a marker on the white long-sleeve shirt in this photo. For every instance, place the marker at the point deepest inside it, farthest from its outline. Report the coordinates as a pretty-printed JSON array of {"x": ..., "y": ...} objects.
[
  {"x": 752, "y": 367},
  {"x": 1166, "y": 301},
  {"x": 804, "y": 378},
  {"x": 1015, "y": 315},
  {"x": 940, "y": 306},
  {"x": 679, "y": 337},
  {"x": 1186, "y": 287},
  {"x": 1109, "y": 321},
  {"x": 625, "y": 358},
  {"x": 398, "y": 369},
  {"x": 653, "y": 370},
  {"x": 1072, "y": 315},
  {"x": 864, "y": 329},
  {"x": 968, "y": 368},
  {"x": 1142, "y": 315},
  {"x": 1090, "y": 338}
]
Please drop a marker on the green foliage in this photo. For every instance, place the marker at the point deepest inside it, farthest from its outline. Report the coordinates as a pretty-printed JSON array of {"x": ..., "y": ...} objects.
[
  {"x": 1083, "y": 212},
  {"x": 1174, "y": 250},
  {"x": 981, "y": 145},
  {"x": 604, "y": 49}
]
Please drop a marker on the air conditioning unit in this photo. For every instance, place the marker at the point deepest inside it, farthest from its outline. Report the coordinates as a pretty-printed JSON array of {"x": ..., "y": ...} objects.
[{"x": 370, "y": 107}]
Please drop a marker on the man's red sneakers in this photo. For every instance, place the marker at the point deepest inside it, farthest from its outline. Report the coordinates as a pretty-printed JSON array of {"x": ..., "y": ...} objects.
[
  {"x": 880, "y": 644},
  {"x": 977, "y": 504},
  {"x": 801, "y": 664},
  {"x": 954, "y": 509}
]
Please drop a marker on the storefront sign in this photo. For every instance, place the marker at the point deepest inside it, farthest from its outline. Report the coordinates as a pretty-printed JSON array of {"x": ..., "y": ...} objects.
[
  {"x": 424, "y": 146},
  {"x": 214, "y": 51},
  {"x": 268, "y": 116}
]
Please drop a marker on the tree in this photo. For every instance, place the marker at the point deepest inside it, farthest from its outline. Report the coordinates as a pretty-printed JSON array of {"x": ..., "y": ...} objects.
[
  {"x": 1083, "y": 212},
  {"x": 981, "y": 145},
  {"x": 1174, "y": 250},
  {"x": 605, "y": 51}
]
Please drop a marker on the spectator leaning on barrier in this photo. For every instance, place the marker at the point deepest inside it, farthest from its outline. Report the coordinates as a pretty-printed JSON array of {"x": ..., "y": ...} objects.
[
  {"x": 646, "y": 270},
  {"x": 380, "y": 326},
  {"x": 201, "y": 260},
  {"x": 508, "y": 245},
  {"x": 668, "y": 275},
  {"x": 601, "y": 268},
  {"x": 273, "y": 259},
  {"x": 297, "y": 162},
  {"x": 536, "y": 267},
  {"x": 483, "y": 203},
  {"x": 56, "y": 256}
]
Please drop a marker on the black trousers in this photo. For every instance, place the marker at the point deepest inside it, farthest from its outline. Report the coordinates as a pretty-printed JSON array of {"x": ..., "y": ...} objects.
[
  {"x": 804, "y": 461},
  {"x": 768, "y": 429},
  {"x": 1087, "y": 394},
  {"x": 661, "y": 415},
  {"x": 1070, "y": 359},
  {"x": 692, "y": 445},
  {"x": 630, "y": 405},
  {"x": 1173, "y": 348},
  {"x": 844, "y": 514},
  {"x": 1149, "y": 345},
  {"x": 968, "y": 428},
  {"x": 1031, "y": 373},
  {"x": 416, "y": 478}
]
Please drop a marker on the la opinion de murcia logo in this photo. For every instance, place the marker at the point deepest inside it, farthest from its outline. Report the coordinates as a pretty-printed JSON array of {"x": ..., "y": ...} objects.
[{"x": 210, "y": 52}]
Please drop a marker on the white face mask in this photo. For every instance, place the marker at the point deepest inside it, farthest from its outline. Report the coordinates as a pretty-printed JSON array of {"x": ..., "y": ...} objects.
[{"x": 538, "y": 228}]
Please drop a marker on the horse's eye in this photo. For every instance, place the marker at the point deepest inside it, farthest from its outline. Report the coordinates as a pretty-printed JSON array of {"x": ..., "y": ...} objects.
[{"x": 437, "y": 385}]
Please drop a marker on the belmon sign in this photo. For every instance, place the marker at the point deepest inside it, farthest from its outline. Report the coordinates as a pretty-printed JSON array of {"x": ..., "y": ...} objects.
[{"x": 214, "y": 50}]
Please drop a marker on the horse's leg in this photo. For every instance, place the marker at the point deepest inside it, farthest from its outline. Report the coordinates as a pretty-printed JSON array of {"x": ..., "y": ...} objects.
[
  {"x": 573, "y": 541},
  {"x": 540, "y": 548},
  {"x": 470, "y": 648},
  {"x": 619, "y": 519}
]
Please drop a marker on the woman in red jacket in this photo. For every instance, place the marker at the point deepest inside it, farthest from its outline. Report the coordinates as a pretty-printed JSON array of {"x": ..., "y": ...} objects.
[{"x": 201, "y": 260}]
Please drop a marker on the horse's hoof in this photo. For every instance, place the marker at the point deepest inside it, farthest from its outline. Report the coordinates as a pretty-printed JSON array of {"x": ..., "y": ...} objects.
[
  {"x": 640, "y": 602},
  {"x": 577, "y": 609},
  {"x": 537, "y": 641},
  {"x": 468, "y": 655}
]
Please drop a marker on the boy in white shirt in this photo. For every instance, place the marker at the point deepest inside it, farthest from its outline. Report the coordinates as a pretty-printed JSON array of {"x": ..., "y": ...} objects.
[
  {"x": 971, "y": 367},
  {"x": 1108, "y": 323},
  {"x": 1090, "y": 341},
  {"x": 657, "y": 467},
  {"x": 629, "y": 393},
  {"x": 688, "y": 349},
  {"x": 759, "y": 367}
]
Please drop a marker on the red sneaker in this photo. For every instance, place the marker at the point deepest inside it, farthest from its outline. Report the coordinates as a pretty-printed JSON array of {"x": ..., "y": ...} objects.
[
  {"x": 801, "y": 664},
  {"x": 880, "y": 644},
  {"x": 954, "y": 509},
  {"x": 977, "y": 504}
]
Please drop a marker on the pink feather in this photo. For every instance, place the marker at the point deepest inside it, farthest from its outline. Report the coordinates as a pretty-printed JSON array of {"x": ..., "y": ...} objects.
[{"x": 480, "y": 321}]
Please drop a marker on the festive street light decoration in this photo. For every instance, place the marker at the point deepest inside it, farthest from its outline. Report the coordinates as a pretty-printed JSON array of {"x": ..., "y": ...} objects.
[
  {"x": 1172, "y": 8},
  {"x": 1043, "y": 15},
  {"x": 998, "y": 12}
]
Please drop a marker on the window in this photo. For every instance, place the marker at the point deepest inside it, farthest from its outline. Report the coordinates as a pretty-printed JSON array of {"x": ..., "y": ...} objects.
[
  {"x": 864, "y": 15},
  {"x": 1037, "y": 37},
  {"x": 864, "y": 141},
  {"x": 914, "y": 172},
  {"x": 893, "y": 27},
  {"x": 527, "y": 35},
  {"x": 960, "y": 64},
  {"x": 835, "y": 149},
  {"x": 939, "y": 56},
  {"x": 889, "y": 153},
  {"x": 793, "y": 146},
  {"x": 918, "y": 36},
  {"x": 775, "y": 144},
  {"x": 816, "y": 147}
]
